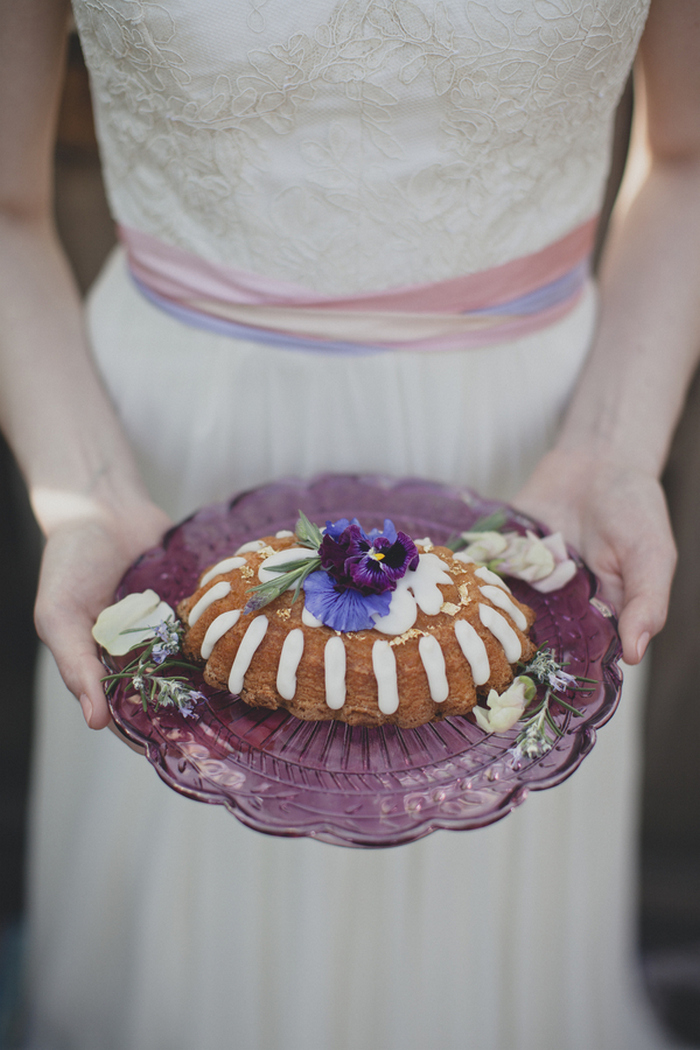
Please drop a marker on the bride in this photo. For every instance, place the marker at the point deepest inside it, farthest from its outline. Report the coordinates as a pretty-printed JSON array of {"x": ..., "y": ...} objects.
[{"x": 341, "y": 148}]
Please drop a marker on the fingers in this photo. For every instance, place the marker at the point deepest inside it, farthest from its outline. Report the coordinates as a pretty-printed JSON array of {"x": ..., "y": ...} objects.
[
  {"x": 67, "y": 604},
  {"x": 634, "y": 556},
  {"x": 646, "y": 554},
  {"x": 82, "y": 564},
  {"x": 67, "y": 633},
  {"x": 78, "y": 575},
  {"x": 648, "y": 576},
  {"x": 92, "y": 696}
]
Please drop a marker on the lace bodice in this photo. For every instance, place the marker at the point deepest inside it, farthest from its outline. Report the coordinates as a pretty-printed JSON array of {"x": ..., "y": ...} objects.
[{"x": 357, "y": 144}]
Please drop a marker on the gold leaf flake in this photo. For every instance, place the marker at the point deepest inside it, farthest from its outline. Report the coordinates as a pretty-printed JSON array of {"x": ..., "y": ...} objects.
[
  {"x": 412, "y": 632},
  {"x": 449, "y": 608}
]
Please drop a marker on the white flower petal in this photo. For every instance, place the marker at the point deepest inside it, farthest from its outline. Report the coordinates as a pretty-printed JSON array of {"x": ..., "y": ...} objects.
[
  {"x": 485, "y": 546},
  {"x": 555, "y": 543},
  {"x": 138, "y": 614},
  {"x": 507, "y": 707},
  {"x": 527, "y": 558},
  {"x": 483, "y": 719},
  {"x": 558, "y": 578},
  {"x": 492, "y": 699},
  {"x": 544, "y": 563},
  {"x": 505, "y": 719}
]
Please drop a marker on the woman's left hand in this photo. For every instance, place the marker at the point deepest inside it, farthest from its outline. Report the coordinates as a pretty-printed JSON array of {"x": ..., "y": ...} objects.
[{"x": 617, "y": 519}]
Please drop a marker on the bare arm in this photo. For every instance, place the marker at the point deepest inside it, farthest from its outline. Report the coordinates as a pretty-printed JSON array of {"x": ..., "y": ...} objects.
[
  {"x": 600, "y": 483},
  {"x": 83, "y": 483}
]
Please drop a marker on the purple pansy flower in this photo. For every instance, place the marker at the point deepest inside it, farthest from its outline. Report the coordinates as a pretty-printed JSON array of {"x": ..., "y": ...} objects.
[
  {"x": 335, "y": 546},
  {"x": 371, "y": 563},
  {"x": 358, "y": 573},
  {"x": 377, "y": 562}
]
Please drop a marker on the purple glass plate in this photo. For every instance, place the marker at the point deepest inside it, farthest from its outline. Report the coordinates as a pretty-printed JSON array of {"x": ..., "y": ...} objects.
[{"x": 350, "y": 785}]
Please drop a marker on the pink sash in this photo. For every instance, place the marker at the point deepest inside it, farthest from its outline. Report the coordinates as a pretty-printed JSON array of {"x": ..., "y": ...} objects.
[{"x": 478, "y": 309}]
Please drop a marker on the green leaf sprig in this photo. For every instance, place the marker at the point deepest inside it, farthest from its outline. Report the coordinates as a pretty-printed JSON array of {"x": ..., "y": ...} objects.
[
  {"x": 291, "y": 573},
  {"x": 308, "y": 534}
]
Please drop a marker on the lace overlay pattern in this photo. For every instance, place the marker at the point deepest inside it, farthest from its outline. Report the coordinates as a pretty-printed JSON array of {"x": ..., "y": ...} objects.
[{"x": 359, "y": 144}]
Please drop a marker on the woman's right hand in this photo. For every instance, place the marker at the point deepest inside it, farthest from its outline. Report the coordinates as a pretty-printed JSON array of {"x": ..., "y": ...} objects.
[
  {"x": 61, "y": 424},
  {"x": 84, "y": 559}
]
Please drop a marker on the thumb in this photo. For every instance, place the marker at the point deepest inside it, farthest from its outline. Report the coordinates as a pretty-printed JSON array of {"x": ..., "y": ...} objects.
[
  {"x": 76, "y": 656},
  {"x": 648, "y": 573}
]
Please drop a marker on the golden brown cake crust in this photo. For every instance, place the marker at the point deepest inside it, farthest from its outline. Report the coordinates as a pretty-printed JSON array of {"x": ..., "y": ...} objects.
[{"x": 461, "y": 599}]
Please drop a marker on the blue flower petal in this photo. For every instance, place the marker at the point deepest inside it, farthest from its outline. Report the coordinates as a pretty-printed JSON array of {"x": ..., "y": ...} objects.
[
  {"x": 345, "y": 610},
  {"x": 389, "y": 531},
  {"x": 335, "y": 529}
]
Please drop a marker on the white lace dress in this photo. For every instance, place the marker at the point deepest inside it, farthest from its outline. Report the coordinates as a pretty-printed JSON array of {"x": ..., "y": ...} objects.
[{"x": 342, "y": 146}]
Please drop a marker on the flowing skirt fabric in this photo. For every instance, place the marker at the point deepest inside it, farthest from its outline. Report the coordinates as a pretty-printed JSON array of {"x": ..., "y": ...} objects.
[{"x": 159, "y": 923}]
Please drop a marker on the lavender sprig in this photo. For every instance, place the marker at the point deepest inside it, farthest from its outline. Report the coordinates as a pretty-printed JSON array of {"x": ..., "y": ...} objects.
[
  {"x": 145, "y": 672},
  {"x": 539, "y": 731}
]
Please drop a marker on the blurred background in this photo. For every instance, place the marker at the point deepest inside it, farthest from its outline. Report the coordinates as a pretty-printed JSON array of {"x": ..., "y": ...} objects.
[{"x": 669, "y": 890}]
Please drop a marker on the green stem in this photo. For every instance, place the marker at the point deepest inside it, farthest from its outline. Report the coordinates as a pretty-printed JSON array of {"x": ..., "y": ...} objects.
[{"x": 569, "y": 707}]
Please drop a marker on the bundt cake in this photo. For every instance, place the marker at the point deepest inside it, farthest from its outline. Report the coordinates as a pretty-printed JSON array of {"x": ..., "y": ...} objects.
[{"x": 367, "y": 628}]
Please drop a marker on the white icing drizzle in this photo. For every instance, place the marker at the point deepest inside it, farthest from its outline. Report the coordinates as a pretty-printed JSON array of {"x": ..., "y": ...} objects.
[
  {"x": 502, "y": 632},
  {"x": 423, "y": 582},
  {"x": 227, "y": 565},
  {"x": 219, "y": 590},
  {"x": 474, "y": 651},
  {"x": 384, "y": 665},
  {"x": 434, "y": 665},
  {"x": 283, "y": 534},
  {"x": 309, "y": 620},
  {"x": 246, "y": 651},
  {"x": 497, "y": 596},
  {"x": 334, "y": 671},
  {"x": 491, "y": 577},
  {"x": 463, "y": 556},
  {"x": 402, "y": 612},
  {"x": 217, "y": 629},
  {"x": 289, "y": 661},
  {"x": 265, "y": 573},
  {"x": 252, "y": 545}
]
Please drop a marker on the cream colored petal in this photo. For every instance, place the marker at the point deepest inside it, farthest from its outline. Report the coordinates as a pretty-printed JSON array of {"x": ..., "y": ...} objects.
[{"x": 130, "y": 622}]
